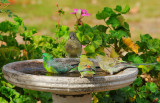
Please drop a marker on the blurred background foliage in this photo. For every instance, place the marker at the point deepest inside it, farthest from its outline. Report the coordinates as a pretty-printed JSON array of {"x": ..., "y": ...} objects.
[{"x": 143, "y": 17}]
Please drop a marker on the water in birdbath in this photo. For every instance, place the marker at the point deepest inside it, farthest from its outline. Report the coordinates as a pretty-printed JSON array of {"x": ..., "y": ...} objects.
[{"x": 41, "y": 71}]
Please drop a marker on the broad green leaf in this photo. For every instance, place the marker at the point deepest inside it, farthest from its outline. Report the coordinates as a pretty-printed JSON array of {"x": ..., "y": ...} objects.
[
  {"x": 121, "y": 20},
  {"x": 84, "y": 28},
  {"x": 79, "y": 36},
  {"x": 152, "y": 87},
  {"x": 9, "y": 92},
  {"x": 97, "y": 40},
  {"x": 154, "y": 45},
  {"x": 113, "y": 21},
  {"x": 135, "y": 58},
  {"x": 105, "y": 38},
  {"x": 118, "y": 8},
  {"x": 157, "y": 67},
  {"x": 18, "y": 20},
  {"x": 2, "y": 100},
  {"x": 145, "y": 37},
  {"x": 64, "y": 28},
  {"x": 137, "y": 82},
  {"x": 90, "y": 36},
  {"x": 145, "y": 68},
  {"x": 90, "y": 48},
  {"x": 105, "y": 13},
  {"x": 7, "y": 26},
  {"x": 100, "y": 50},
  {"x": 91, "y": 55},
  {"x": 85, "y": 39},
  {"x": 119, "y": 34},
  {"x": 27, "y": 35},
  {"x": 101, "y": 28},
  {"x": 7, "y": 84},
  {"x": 125, "y": 10},
  {"x": 10, "y": 41},
  {"x": 126, "y": 26}
]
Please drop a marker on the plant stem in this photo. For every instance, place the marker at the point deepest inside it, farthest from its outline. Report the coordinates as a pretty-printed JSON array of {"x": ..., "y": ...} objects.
[{"x": 58, "y": 23}]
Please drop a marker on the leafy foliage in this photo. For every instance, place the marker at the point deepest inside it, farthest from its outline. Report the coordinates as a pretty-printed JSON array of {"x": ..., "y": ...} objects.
[
  {"x": 31, "y": 48},
  {"x": 114, "y": 34}
]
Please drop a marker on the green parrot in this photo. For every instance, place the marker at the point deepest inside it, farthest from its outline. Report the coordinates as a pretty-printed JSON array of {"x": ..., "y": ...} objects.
[
  {"x": 86, "y": 67},
  {"x": 55, "y": 67},
  {"x": 111, "y": 65},
  {"x": 73, "y": 46}
]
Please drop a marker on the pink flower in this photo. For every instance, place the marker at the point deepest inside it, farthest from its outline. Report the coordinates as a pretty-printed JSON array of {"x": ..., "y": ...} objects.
[
  {"x": 75, "y": 11},
  {"x": 84, "y": 12}
]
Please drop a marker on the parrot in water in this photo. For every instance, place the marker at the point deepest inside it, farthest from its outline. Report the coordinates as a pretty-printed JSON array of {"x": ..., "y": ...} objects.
[
  {"x": 55, "y": 67},
  {"x": 111, "y": 65},
  {"x": 73, "y": 46},
  {"x": 86, "y": 67}
]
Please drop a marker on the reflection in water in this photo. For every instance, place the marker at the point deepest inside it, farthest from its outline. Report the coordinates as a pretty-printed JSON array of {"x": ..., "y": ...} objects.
[{"x": 42, "y": 71}]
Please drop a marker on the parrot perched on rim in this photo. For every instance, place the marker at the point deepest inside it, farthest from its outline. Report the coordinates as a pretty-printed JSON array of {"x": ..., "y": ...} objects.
[
  {"x": 86, "y": 67},
  {"x": 55, "y": 67},
  {"x": 73, "y": 46},
  {"x": 111, "y": 65}
]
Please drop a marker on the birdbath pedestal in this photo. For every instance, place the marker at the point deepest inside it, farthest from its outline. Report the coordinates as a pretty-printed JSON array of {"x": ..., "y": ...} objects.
[{"x": 65, "y": 89}]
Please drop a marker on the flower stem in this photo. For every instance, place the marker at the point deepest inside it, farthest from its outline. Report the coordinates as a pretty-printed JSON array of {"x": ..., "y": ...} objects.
[{"x": 58, "y": 23}]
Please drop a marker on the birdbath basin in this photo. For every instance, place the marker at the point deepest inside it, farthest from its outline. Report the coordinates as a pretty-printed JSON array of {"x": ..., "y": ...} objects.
[{"x": 65, "y": 89}]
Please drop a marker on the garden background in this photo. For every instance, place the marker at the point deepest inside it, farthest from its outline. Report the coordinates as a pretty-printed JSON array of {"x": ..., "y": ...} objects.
[{"x": 40, "y": 18}]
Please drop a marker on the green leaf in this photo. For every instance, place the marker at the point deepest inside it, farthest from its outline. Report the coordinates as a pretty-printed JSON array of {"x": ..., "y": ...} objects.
[
  {"x": 137, "y": 82},
  {"x": 97, "y": 40},
  {"x": 10, "y": 41},
  {"x": 141, "y": 100},
  {"x": 4, "y": 1},
  {"x": 101, "y": 28},
  {"x": 8, "y": 92},
  {"x": 126, "y": 26},
  {"x": 27, "y": 35},
  {"x": 18, "y": 20},
  {"x": 1, "y": 37},
  {"x": 91, "y": 55},
  {"x": 85, "y": 40},
  {"x": 113, "y": 21},
  {"x": 145, "y": 38},
  {"x": 107, "y": 12},
  {"x": 7, "y": 84},
  {"x": 118, "y": 8},
  {"x": 7, "y": 26},
  {"x": 2, "y": 100},
  {"x": 89, "y": 36},
  {"x": 63, "y": 32},
  {"x": 90, "y": 48},
  {"x": 157, "y": 67},
  {"x": 119, "y": 34},
  {"x": 135, "y": 58},
  {"x": 152, "y": 87},
  {"x": 125, "y": 10},
  {"x": 105, "y": 39},
  {"x": 79, "y": 36},
  {"x": 154, "y": 45},
  {"x": 100, "y": 50}
]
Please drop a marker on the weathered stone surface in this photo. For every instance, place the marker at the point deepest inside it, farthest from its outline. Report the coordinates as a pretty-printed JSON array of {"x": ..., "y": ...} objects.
[
  {"x": 14, "y": 73},
  {"x": 72, "y": 99}
]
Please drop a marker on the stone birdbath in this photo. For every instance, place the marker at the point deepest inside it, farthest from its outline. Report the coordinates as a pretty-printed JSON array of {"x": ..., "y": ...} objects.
[{"x": 64, "y": 88}]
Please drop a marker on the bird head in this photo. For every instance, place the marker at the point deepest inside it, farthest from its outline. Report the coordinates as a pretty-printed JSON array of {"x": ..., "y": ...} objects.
[
  {"x": 72, "y": 36},
  {"x": 47, "y": 57}
]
